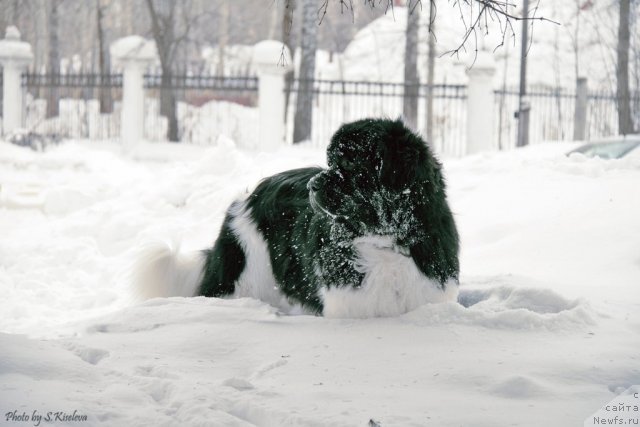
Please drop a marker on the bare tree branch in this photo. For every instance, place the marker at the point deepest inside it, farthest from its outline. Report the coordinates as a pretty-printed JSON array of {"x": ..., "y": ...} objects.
[{"x": 487, "y": 12}]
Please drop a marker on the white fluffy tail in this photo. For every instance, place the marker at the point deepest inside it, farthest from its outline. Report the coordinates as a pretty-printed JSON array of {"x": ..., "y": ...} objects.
[{"x": 161, "y": 270}]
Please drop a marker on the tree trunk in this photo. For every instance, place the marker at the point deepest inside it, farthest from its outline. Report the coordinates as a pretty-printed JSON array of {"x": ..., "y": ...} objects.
[
  {"x": 431, "y": 65},
  {"x": 273, "y": 21},
  {"x": 3, "y": 19},
  {"x": 15, "y": 16},
  {"x": 308, "y": 44},
  {"x": 523, "y": 105},
  {"x": 411, "y": 79},
  {"x": 39, "y": 30},
  {"x": 106, "y": 100},
  {"x": 625, "y": 124},
  {"x": 127, "y": 15},
  {"x": 162, "y": 24},
  {"x": 576, "y": 41},
  {"x": 223, "y": 37},
  {"x": 168, "y": 105},
  {"x": 3, "y": 29},
  {"x": 54, "y": 58},
  {"x": 287, "y": 21}
]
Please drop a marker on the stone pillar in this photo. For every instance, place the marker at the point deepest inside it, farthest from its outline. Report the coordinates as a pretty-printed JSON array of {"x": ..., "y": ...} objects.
[
  {"x": 273, "y": 61},
  {"x": 15, "y": 57},
  {"x": 480, "y": 104},
  {"x": 134, "y": 54},
  {"x": 580, "y": 112}
]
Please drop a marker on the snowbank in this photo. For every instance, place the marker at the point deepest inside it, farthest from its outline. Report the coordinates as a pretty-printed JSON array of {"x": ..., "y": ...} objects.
[
  {"x": 376, "y": 51},
  {"x": 545, "y": 332}
]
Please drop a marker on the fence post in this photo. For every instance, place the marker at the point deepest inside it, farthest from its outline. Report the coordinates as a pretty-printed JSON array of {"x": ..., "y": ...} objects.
[
  {"x": 134, "y": 54},
  {"x": 273, "y": 61},
  {"x": 480, "y": 104},
  {"x": 15, "y": 57},
  {"x": 580, "y": 112}
]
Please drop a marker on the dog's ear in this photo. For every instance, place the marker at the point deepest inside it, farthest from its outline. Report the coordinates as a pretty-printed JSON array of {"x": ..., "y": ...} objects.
[{"x": 403, "y": 157}]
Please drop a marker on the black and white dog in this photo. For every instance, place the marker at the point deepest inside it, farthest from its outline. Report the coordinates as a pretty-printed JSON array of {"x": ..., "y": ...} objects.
[{"x": 372, "y": 235}]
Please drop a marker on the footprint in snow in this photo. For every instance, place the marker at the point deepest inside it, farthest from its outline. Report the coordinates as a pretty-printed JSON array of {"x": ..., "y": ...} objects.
[
  {"x": 239, "y": 384},
  {"x": 90, "y": 355},
  {"x": 519, "y": 387},
  {"x": 269, "y": 367}
]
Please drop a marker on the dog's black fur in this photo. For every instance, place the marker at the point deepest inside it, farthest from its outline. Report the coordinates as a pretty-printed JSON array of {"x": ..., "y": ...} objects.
[{"x": 382, "y": 180}]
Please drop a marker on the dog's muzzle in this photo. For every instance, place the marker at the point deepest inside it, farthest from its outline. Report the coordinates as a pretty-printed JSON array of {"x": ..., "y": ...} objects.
[
  {"x": 316, "y": 183},
  {"x": 317, "y": 206},
  {"x": 315, "y": 186}
]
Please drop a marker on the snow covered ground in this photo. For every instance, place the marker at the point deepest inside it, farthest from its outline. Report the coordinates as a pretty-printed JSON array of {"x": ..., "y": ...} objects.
[{"x": 546, "y": 332}]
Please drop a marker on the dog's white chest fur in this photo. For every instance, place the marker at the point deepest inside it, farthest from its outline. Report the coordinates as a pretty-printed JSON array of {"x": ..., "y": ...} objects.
[
  {"x": 392, "y": 284},
  {"x": 257, "y": 280}
]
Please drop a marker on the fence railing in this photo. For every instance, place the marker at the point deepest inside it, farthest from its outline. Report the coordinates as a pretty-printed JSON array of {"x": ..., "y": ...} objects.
[
  {"x": 205, "y": 107},
  {"x": 87, "y": 105},
  {"x": 74, "y": 80},
  {"x": 602, "y": 113},
  {"x": 336, "y": 102},
  {"x": 74, "y": 105},
  {"x": 202, "y": 81},
  {"x": 552, "y": 114}
]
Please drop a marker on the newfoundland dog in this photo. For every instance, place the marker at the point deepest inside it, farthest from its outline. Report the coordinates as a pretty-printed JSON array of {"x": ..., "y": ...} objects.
[{"x": 372, "y": 235}]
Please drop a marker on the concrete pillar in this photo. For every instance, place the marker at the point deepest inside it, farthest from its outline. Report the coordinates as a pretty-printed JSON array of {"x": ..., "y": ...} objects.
[
  {"x": 273, "y": 61},
  {"x": 15, "y": 57},
  {"x": 480, "y": 104},
  {"x": 580, "y": 112},
  {"x": 134, "y": 54}
]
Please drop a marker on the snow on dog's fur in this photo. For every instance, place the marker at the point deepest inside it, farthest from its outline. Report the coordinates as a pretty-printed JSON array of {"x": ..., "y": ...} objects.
[{"x": 372, "y": 235}]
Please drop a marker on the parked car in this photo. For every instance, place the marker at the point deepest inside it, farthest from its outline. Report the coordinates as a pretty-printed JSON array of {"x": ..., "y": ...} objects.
[{"x": 611, "y": 148}]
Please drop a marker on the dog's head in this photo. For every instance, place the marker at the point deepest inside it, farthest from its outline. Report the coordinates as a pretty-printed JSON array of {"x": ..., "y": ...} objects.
[{"x": 377, "y": 171}]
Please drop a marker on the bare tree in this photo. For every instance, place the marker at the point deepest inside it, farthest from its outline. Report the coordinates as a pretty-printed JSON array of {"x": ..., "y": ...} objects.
[
  {"x": 308, "y": 44},
  {"x": 127, "y": 17},
  {"x": 3, "y": 17},
  {"x": 477, "y": 16},
  {"x": 635, "y": 68},
  {"x": 287, "y": 24},
  {"x": 223, "y": 38},
  {"x": 9, "y": 14},
  {"x": 411, "y": 79},
  {"x": 557, "y": 61},
  {"x": 104, "y": 63},
  {"x": 287, "y": 27},
  {"x": 6, "y": 14},
  {"x": 575, "y": 39},
  {"x": 625, "y": 125},
  {"x": 54, "y": 56},
  {"x": 273, "y": 21},
  {"x": 431, "y": 69},
  {"x": 338, "y": 29},
  {"x": 164, "y": 27}
]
